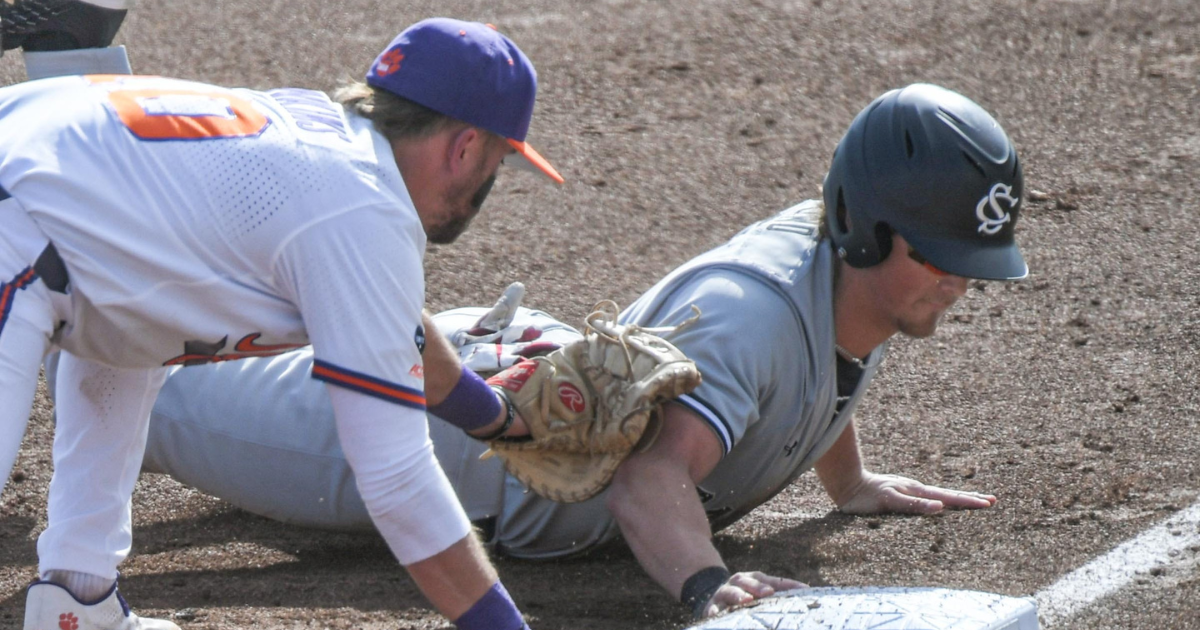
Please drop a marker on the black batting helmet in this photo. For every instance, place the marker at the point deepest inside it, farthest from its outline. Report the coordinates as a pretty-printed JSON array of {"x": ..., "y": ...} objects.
[{"x": 932, "y": 165}]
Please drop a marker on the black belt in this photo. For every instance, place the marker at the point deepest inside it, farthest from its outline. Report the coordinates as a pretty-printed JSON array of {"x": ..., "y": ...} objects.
[{"x": 50, "y": 268}]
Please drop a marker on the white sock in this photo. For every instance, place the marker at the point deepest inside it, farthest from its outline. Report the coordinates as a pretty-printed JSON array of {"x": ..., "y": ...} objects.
[
  {"x": 57, "y": 63},
  {"x": 86, "y": 587}
]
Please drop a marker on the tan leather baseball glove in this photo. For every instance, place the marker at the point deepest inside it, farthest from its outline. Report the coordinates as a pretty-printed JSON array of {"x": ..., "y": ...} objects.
[{"x": 589, "y": 404}]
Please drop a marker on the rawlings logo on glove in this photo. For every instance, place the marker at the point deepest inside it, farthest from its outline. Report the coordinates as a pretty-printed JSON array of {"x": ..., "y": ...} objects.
[{"x": 588, "y": 404}]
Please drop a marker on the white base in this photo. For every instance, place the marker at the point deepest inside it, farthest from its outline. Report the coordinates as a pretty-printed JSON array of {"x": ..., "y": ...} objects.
[{"x": 881, "y": 608}]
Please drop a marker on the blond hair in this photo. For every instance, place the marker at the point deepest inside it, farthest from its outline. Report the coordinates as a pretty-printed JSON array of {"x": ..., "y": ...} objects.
[{"x": 396, "y": 117}]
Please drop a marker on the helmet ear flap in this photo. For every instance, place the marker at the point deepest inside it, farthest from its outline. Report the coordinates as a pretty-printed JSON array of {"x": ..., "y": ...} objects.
[
  {"x": 841, "y": 216},
  {"x": 883, "y": 242},
  {"x": 859, "y": 246}
]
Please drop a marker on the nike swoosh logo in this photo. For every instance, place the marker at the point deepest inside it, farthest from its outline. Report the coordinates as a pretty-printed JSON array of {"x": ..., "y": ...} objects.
[{"x": 246, "y": 344}]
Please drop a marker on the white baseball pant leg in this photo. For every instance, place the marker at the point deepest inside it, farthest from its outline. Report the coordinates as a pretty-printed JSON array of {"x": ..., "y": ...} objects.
[
  {"x": 24, "y": 340},
  {"x": 102, "y": 418},
  {"x": 27, "y": 323}
]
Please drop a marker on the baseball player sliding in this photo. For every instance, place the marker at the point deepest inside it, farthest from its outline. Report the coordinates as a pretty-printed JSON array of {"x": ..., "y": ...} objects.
[
  {"x": 151, "y": 222},
  {"x": 796, "y": 312}
]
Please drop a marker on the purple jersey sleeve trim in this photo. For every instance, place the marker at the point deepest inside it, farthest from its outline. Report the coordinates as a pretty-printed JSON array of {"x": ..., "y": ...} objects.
[
  {"x": 369, "y": 385},
  {"x": 718, "y": 424}
]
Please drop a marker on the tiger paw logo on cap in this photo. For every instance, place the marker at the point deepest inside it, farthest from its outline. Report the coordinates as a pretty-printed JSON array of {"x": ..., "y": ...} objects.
[{"x": 389, "y": 62}]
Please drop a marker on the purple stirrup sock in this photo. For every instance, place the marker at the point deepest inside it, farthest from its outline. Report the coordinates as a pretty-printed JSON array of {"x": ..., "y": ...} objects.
[{"x": 494, "y": 611}]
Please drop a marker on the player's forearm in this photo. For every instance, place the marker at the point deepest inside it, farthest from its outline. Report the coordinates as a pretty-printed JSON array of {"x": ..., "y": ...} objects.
[
  {"x": 456, "y": 578},
  {"x": 416, "y": 511},
  {"x": 662, "y": 521},
  {"x": 442, "y": 366},
  {"x": 840, "y": 469}
]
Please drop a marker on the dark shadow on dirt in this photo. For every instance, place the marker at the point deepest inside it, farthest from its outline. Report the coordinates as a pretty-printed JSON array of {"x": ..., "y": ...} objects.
[
  {"x": 16, "y": 547},
  {"x": 357, "y": 570}
]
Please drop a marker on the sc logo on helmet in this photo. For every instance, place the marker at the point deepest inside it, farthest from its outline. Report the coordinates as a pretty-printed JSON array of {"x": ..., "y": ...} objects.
[{"x": 991, "y": 216}]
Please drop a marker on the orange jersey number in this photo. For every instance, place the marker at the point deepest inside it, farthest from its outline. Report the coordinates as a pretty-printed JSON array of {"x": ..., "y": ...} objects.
[{"x": 153, "y": 109}]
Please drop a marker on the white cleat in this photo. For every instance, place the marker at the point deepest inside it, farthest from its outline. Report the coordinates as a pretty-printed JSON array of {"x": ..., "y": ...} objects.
[{"x": 49, "y": 606}]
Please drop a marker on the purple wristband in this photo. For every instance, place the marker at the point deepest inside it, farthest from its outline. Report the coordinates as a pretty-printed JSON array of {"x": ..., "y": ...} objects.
[
  {"x": 494, "y": 611},
  {"x": 471, "y": 404}
]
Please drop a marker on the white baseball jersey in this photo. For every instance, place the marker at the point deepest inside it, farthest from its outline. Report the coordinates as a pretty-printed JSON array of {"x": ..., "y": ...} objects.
[
  {"x": 201, "y": 224},
  {"x": 263, "y": 215},
  {"x": 764, "y": 343}
]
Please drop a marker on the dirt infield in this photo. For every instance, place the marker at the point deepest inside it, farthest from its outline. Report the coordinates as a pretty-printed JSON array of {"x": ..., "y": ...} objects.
[{"x": 1071, "y": 395}]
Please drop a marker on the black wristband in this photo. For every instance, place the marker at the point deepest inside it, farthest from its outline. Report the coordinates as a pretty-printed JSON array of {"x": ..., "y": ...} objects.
[
  {"x": 509, "y": 417},
  {"x": 699, "y": 588}
]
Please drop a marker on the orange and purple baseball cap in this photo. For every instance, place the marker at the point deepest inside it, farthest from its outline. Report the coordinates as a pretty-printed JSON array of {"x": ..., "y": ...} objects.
[{"x": 468, "y": 71}]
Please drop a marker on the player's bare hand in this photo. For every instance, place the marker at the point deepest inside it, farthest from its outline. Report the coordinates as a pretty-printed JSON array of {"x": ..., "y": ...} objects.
[
  {"x": 742, "y": 588},
  {"x": 877, "y": 494}
]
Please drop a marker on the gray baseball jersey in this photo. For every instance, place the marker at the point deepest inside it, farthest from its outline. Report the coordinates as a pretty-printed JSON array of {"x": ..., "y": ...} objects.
[{"x": 764, "y": 343}]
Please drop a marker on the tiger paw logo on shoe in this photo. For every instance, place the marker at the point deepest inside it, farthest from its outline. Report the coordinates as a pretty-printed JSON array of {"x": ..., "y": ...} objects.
[{"x": 68, "y": 621}]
